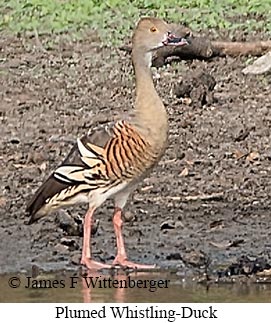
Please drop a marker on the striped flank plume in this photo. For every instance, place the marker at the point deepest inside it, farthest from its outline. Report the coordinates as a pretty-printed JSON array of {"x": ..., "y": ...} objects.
[{"x": 124, "y": 156}]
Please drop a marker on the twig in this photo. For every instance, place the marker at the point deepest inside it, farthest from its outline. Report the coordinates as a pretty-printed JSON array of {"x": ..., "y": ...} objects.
[
  {"x": 205, "y": 197},
  {"x": 38, "y": 42}
]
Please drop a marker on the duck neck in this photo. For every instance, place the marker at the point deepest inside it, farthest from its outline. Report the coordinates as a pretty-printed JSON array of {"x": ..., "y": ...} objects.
[{"x": 150, "y": 113}]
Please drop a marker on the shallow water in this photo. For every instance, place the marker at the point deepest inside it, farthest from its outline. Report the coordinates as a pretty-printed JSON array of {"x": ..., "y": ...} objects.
[{"x": 148, "y": 288}]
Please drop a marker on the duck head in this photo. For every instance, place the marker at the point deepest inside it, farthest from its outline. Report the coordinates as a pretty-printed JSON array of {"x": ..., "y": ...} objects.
[{"x": 153, "y": 33}]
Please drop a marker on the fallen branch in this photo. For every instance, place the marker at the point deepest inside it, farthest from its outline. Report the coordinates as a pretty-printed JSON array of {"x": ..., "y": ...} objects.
[
  {"x": 256, "y": 48},
  {"x": 204, "y": 48}
]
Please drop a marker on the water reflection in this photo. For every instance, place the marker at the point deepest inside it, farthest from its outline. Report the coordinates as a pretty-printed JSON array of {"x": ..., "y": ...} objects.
[
  {"x": 94, "y": 287},
  {"x": 121, "y": 285}
]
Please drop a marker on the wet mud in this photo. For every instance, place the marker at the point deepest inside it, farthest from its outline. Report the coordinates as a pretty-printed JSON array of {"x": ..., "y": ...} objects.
[{"x": 203, "y": 207}]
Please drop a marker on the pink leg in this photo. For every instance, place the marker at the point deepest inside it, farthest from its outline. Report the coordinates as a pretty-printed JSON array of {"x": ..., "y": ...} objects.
[
  {"x": 86, "y": 252},
  {"x": 121, "y": 258}
]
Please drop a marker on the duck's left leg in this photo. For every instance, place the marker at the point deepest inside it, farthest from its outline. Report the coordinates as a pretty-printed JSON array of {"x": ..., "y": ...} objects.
[{"x": 121, "y": 257}]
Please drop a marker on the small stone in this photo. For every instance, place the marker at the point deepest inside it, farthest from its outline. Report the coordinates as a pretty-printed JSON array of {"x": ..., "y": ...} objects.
[
  {"x": 174, "y": 256},
  {"x": 184, "y": 172},
  {"x": 14, "y": 141},
  {"x": 76, "y": 259},
  {"x": 61, "y": 248},
  {"x": 68, "y": 224},
  {"x": 128, "y": 216},
  {"x": 168, "y": 224},
  {"x": 260, "y": 66},
  {"x": 70, "y": 243},
  {"x": 3, "y": 201}
]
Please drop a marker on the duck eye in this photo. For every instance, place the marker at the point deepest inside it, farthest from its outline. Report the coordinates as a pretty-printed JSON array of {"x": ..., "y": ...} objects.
[{"x": 153, "y": 29}]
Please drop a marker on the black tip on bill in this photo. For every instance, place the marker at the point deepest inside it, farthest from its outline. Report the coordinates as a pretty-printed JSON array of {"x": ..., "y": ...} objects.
[{"x": 176, "y": 41}]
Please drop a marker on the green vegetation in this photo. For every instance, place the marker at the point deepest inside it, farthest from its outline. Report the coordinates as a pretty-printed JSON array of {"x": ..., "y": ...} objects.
[{"x": 113, "y": 19}]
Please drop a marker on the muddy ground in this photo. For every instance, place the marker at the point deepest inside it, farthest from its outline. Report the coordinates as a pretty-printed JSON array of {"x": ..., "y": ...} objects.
[{"x": 207, "y": 202}]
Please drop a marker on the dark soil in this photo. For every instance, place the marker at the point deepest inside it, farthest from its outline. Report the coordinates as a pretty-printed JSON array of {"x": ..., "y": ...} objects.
[{"x": 206, "y": 204}]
